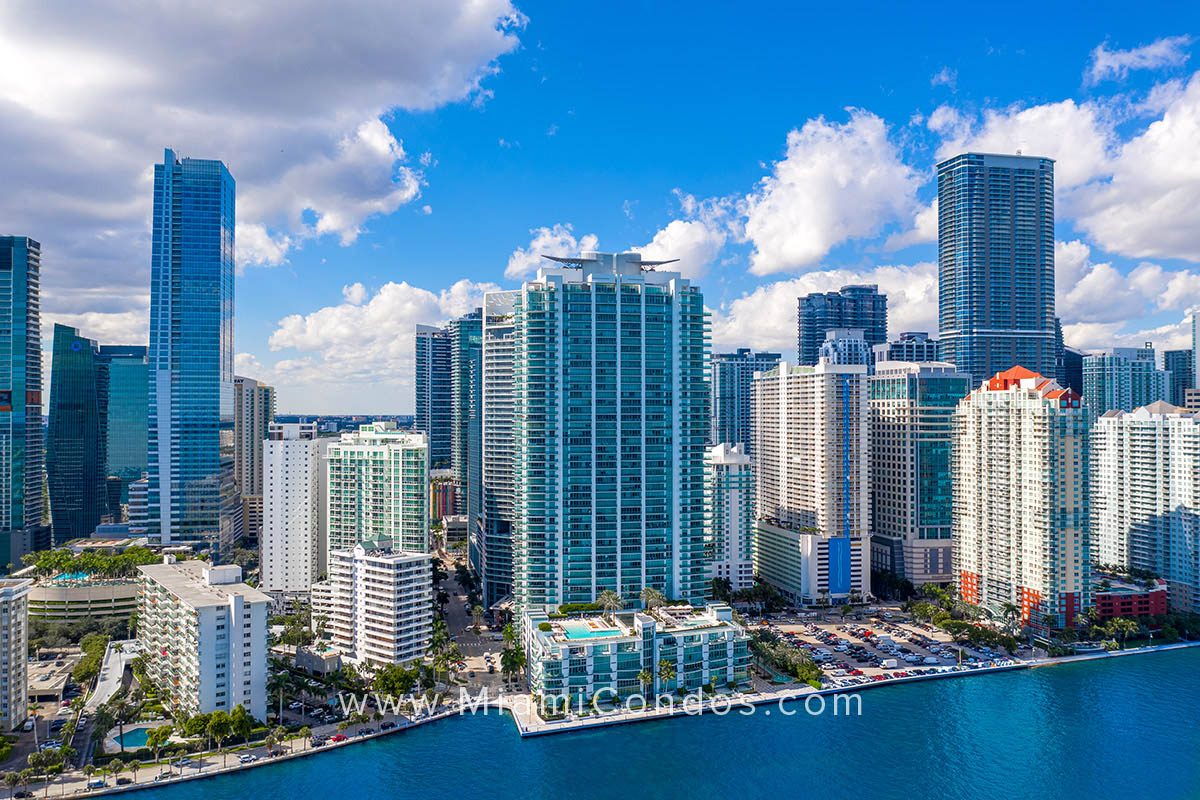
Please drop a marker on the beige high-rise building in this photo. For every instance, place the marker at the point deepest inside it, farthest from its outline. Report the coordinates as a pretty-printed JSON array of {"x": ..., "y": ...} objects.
[
  {"x": 253, "y": 411},
  {"x": 1021, "y": 453},
  {"x": 14, "y": 652}
]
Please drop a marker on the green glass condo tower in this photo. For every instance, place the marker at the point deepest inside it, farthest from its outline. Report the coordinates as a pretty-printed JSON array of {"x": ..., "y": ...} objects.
[{"x": 611, "y": 422}]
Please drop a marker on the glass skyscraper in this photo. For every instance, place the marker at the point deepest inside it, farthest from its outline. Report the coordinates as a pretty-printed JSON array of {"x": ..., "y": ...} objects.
[
  {"x": 491, "y": 549},
  {"x": 849, "y": 307},
  {"x": 22, "y": 448},
  {"x": 433, "y": 395},
  {"x": 1123, "y": 378},
  {"x": 611, "y": 424},
  {"x": 76, "y": 462},
  {"x": 1179, "y": 363},
  {"x": 192, "y": 494},
  {"x": 128, "y": 398},
  {"x": 996, "y": 263},
  {"x": 466, "y": 449},
  {"x": 732, "y": 383}
]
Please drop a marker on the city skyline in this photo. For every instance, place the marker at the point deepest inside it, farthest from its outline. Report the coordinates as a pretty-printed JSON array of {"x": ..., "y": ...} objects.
[{"x": 342, "y": 229}]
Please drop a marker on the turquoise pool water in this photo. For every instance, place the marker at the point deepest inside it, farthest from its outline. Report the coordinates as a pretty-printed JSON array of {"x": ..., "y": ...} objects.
[
  {"x": 1118, "y": 728},
  {"x": 72, "y": 576},
  {"x": 579, "y": 630},
  {"x": 135, "y": 738}
]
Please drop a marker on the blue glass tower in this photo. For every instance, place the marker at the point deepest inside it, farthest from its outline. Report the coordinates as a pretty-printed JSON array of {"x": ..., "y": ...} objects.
[
  {"x": 996, "y": 264},
  {"x": 22, "y": 508},
  {"x": 128, "y": 396},
  {"x": 732, "y": 383},
  {"x": 76, "y": 465},
  {"x": 192, "y": 495}
]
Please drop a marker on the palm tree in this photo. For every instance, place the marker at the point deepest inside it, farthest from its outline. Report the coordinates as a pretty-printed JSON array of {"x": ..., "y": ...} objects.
[
  {"x": 305, "y": 735},
  {"x": 121, "y": 711},
  {"x": 133, "y": 767},
  {"x": 510, "y": 635},
  {"x": 115, "y": 766},
  {"x": 652, "y": 598},
  {"x": 88, "y": 771},
  {"x": 666, "y": 673},
  {"x": 477, "y": 614},
  {"x": 281, "y": 735},
  {"x": 646, "y": 679},
  {"x": 278, "y": 684},
  {"x": 1011, "y": 612},
  {"x": 610, "y": 601},
  {"x": 12, "y": 780},
  {"x": 1122, "y": 626}
]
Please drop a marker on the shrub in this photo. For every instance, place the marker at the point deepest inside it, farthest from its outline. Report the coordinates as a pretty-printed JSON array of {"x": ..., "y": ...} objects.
[{"x": 544, "y": 627}]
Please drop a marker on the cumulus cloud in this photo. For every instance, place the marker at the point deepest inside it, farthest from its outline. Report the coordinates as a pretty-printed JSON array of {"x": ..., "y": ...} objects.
[
  {"x": 1148, "y": 208},
  {"x": 558, "y": 240},
  {"x": 924, "y": 229},
  {"x": 945, "y": 77},
  {"x": 87, "y": 105},
  {"x": 765, "y": 318},
  {"x": 1099, "y": 335},
  {"x": 1169, "y": 51},
  {"x": 836, "y": 182},
  {"x": 696, "y": 240}
]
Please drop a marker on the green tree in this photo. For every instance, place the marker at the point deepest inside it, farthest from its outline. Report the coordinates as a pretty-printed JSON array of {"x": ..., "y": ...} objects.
[
  {"x": 646, "y": 679},
  {"x": 477, "y": 615},
  {"x": 219, "y": 729},
  {"x": 241, "y": 723},
  {"x": 652, "y": 598},
  {"x": 510, "y": 635},
  {"x": 1122, "y": 627},
  {"x": 610, "y": 601},
  {"x": 12, "y": 780},
  {"x": 277, "y": 684},
  {"x": 1012, "y": 614},
  {"x": 666, "y": 674},
  {"x": 305, "y": 735},
  {"x": 281, "y": 734}
]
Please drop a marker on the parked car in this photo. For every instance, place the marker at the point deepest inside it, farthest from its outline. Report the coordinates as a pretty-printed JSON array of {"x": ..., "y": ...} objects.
[{"x": 387, "y": 726}]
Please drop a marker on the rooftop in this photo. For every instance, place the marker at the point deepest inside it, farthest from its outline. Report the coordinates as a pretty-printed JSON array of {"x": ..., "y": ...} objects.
[
  {"x": 200, "y": 584},
  {"x": 666, "y": 619}
]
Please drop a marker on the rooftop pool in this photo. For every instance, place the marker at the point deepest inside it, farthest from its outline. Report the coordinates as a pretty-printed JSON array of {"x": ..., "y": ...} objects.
[{"x": 581, "y": 630}]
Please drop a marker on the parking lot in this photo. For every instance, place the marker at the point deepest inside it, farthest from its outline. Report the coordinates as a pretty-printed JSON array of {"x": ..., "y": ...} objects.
[{"x": 854, "y": 652}]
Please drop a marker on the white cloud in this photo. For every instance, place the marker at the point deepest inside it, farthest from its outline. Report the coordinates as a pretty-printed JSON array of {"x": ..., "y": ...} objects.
[
  {"x": 836, "y": 182},
  {"x": 86, "y": 107},
  {"x": 924, "y": 229},
  {"x": 1169, "y": 51},
  {"x": 1078, "y": 136},
  {"x": 697, "y": 240},
  {"x": 1148, "y": 208},
  {"x": 766, "y": 317},
  {"x": 426, "y": 210},
  {"x": 1099, "y": 335},
  {"x": 945, "y": 77},
  {"x": 247, "y": 365},
  {"x": 556, "y": 241},
  {"x": 355, "y": 294}
]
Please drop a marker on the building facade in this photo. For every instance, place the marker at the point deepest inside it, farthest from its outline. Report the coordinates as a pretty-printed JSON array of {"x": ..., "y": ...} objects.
[
  {"x": 1146, "y": 496},
  {"x": 377, "y": 605},
  {"x": 128, "y": 409},
  {"x": 996, "y": 263},
  {"x": 1180, "y": 364},
  {"x": 611, "y": 424},
  {"x": 293, "y": 538},
  {"x": 490, "y": 543},
  {"x": 1020, "y": 523},
  {"x": 14, "y": 652},
  {"x": 813, "y": 481},
  {"x": 253, "y": 412},
  {"x": 860, "y": 307},
  {"x": 433, "y": 393},
  {"x": 23, "y": 527},
  {"x": 190, "y": 451},
  {"x": 912, "y": 408},
  {"x": 732, "y": 400},
  {"x": 730, "y": 504},
  {"x": 913, "y": 346},
  {"x": 847, "y": 346},
  {"x": 466, "y": 383},
  {"x": 204, "y": 633},
  {"x": 1122, "y": 379},
  {"x": 378, "y": 481},
  {"x": 576, "y": 659},
  {"x": 76, "y": 460}
]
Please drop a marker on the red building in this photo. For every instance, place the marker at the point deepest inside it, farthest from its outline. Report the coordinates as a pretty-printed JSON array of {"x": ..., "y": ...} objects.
[{"x": 1123, "y": 599}]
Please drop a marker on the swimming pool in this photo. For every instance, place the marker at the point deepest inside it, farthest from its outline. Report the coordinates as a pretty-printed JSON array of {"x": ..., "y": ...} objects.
[
  {"x": 134, "y": 739},
  {"x": 72, "y": 576},
  {"x": 580, "y": 630}
]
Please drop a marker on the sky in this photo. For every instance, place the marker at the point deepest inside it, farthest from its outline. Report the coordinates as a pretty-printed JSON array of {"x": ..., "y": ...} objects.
[{"x": 395, "y": 160}]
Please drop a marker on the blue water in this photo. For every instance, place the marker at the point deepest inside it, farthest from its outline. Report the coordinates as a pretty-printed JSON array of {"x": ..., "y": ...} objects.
[
  {"x": 1108, "y": 729},
  {"x": 580, "y": 630},
  {"x": 135, "y": 738},
  {"x": 72, "y": 576}
]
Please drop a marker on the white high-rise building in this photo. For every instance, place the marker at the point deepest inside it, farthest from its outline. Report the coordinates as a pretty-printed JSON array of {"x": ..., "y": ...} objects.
[
  {"x": 293, "y": 537},
  {"x": 1020, "y": 459},
  {"x": 378, "y": 482},
  {"x": 377, "y": 605},
  {"x": 14, "y": 652},
  {"x": 491, "y": 540},
  {"x": 1146, "y": 496},
  {"x": 813, "y": 481},
  {"x": 730, "y": 515},
  {"x": 911, "y": 409},
  {"x": 204, "y": 633}
]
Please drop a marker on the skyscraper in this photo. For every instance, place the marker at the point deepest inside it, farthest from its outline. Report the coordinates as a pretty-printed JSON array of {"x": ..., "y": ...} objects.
[
  {"x": 253, "y": 412},
  {"x": 732, "y": 389},
  {"x": 847, "y": 346},
  {"x": 491, "y": 549},
  {"x": 76, "y": 462},
  {"x": 730, "y": 503},
  {"x": 996, "y": 263},
  {"x": 911, "y": 492},
  {"x": 128, "y": 395},
  {"x": 849, "y": 307},
  {"x": 910, "y": 346},
  {"x": 434, "y": 402},
  {"x": 292, "y": 542},
  {"x": 379, "y": 488},
  {"x": 611, "y": 425},
  {"x": 192, "y": 492},
  {"x": 466, "y": 450},
  {"x": 1146, "y": 496},
  {"x": 1180, "y": 364},
  {"x": 1123, "y": 378},
  {"x": 22, "y": 447},
  {"x": 1021, "y": 525},
  {"x": 813, "y": 481}
]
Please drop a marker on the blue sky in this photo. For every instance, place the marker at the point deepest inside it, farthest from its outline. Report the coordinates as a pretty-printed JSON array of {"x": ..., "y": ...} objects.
[{"x": 396, "y": 160}]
